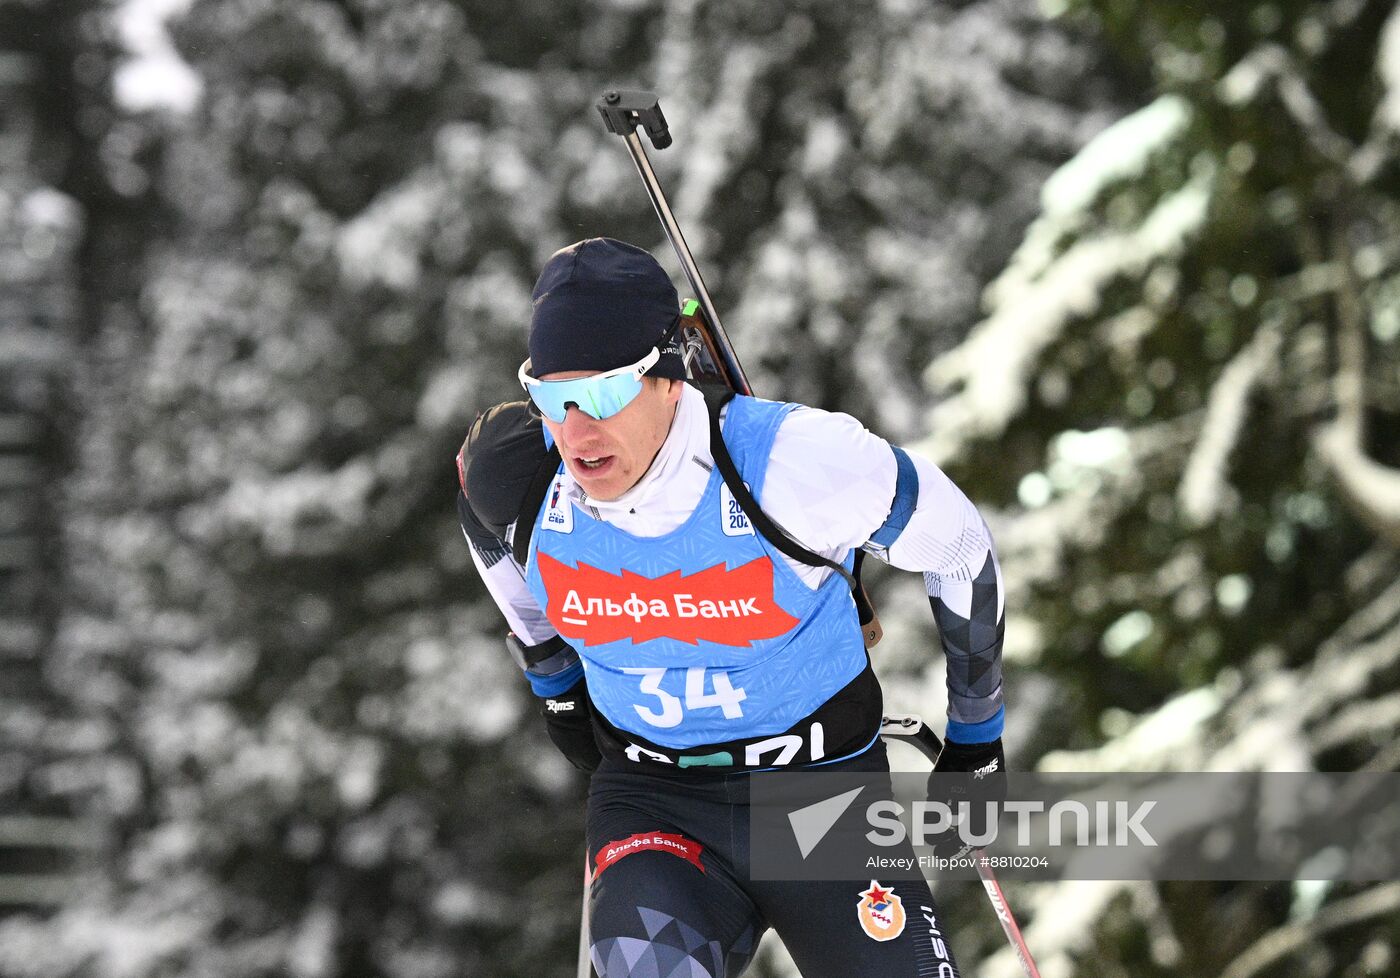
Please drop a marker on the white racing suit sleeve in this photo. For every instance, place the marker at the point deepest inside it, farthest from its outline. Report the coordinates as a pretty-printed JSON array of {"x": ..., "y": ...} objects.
[
  {"x": 835, "y": 486},
  {"x": 550, "y": 664},
  {"x": 505, "y": 580}
]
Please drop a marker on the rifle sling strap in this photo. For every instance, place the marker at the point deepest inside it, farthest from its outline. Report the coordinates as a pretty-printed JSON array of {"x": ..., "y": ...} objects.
[
  {"x": 716, "y": 398},
  {"x": 530, "y": 506}
]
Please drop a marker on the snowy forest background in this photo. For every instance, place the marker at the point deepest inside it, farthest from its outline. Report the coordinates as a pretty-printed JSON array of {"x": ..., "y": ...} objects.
[{"x": 1128, "y": 269}]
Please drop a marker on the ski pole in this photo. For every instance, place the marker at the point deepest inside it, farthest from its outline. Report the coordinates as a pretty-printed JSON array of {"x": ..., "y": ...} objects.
[
  {"x": 1008, "y": 922},
  {"x": 585, "y": 966},
  {"x": 622, "y": 112},
  {"x": 918, "y": 734}
]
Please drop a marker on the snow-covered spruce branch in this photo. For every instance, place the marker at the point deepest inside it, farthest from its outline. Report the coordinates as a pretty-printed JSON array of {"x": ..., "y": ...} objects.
[
  {"x": 1368, "y": 161},
  {"x": 1378, "y": 718},
  {"x": 1370, "y": 489},
  {"x": 1274, "y": 722},
  {"x": 1205, "y": 489},
  {"x": 1269, "y": 719},
  {"x": 1273, "y": 947},
  {"x": 992, "y": 367},
  {"x": 1271, "y": 67},
  {"x": 1033, "y": 542}
]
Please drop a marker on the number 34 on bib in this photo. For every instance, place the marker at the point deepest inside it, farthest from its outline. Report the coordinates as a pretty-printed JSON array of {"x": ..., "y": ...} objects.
[{"x": 725, "y": 696}]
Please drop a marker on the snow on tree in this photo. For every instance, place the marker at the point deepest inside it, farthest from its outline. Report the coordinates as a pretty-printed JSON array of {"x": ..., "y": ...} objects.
[
  {"x": 1178, "y": 407},
  {"x": 1187, "y": 373}
]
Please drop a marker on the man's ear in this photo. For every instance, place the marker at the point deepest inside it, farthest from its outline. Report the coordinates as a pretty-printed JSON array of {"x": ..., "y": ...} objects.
[
  {"x": 673, "y": 396},
  {"x": 670, "y": 388}
]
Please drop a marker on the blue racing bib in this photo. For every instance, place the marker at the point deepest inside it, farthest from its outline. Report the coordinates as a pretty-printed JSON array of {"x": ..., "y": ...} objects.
[{"x": 703, "y": 635}]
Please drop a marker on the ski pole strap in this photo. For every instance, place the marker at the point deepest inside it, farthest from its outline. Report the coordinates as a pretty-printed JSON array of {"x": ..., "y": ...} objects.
[
  {"x": 716, "y": 398},
  {"x": 530, "y": 506}
]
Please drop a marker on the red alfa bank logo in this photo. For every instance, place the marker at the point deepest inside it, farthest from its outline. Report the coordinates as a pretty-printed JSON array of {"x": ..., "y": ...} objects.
[
  {"x": 676, "y": 845},
  {"x": 727, "y": 607}
]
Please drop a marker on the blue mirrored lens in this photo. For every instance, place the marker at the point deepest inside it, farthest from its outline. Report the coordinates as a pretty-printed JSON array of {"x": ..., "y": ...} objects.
[{"x": 598, "y": 397}]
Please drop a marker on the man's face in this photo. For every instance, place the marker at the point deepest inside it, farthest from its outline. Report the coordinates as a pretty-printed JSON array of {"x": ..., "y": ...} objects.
[{"x": 608, "y": 457}]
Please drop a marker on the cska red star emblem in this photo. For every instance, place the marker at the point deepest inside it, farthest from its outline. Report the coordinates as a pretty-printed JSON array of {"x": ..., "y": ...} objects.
[{"x": 880, "y": 912}]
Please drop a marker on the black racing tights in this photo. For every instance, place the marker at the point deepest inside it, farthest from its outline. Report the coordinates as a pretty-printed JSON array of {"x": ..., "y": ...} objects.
[{"x": 673, "y": 898}]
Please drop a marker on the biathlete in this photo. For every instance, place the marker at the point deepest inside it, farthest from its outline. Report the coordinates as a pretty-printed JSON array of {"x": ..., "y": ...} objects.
[{"x": 674, "y": 649}]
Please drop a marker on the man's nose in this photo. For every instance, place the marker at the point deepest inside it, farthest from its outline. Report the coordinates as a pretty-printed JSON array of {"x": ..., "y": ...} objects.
[{"x": 578, "y": 424}]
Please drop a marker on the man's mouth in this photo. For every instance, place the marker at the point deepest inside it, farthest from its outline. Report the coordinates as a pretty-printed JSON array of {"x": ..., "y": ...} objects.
[{"x": 593, "y": 463}]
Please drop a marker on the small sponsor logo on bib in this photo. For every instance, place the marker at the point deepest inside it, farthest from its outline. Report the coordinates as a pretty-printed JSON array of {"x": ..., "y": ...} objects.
[
  {"x": 733, "y": 520},
  {"x": 559, "y": 513}
]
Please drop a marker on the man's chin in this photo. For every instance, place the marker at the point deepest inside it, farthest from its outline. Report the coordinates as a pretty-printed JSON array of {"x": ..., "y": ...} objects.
[
  {"x": 605, "y": 486},
  {"x": 603, "y": 493}
]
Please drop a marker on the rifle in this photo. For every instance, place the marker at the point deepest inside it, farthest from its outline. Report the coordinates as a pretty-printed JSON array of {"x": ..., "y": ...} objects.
[{"x": 709, "y": 356}]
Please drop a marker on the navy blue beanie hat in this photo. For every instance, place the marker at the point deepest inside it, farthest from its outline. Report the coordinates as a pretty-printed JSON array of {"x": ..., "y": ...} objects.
[{"x": 600, "y": 304}]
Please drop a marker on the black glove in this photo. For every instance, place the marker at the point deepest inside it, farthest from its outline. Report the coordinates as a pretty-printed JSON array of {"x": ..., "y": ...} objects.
[
  {"x": 568, "y": 719},
  {"x": 976, "y": 775}
]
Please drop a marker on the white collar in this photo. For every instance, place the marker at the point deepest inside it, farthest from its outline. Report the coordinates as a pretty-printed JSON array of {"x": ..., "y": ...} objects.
[{"x": 686, "y": 444}]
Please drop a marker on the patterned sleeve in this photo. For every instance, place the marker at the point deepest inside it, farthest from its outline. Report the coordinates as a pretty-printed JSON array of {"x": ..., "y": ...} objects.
[
  {"x": 835, "y": 486},
  {"x": 934, "y": 528}
]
